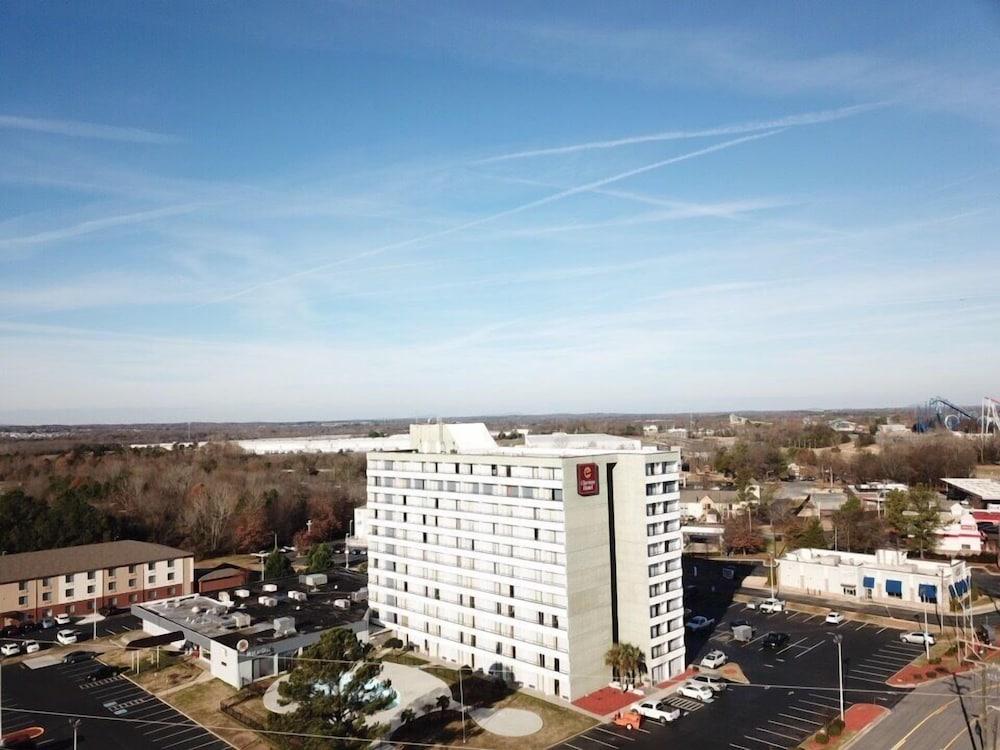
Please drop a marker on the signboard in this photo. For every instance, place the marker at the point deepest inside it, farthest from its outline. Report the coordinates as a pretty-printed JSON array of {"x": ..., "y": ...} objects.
[{"x": 587, "y": 479}]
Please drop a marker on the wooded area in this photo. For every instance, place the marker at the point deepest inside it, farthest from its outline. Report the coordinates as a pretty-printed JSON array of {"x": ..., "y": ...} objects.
[{"x": 214, "y": 500}]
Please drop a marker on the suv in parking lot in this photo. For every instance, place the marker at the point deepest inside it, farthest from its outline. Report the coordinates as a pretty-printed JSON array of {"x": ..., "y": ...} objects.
[
  {"x": 701, "y": 693},
  {"x": 66, "y": 636},
  {"x": 771, "y": 605},
  {"x": 715, "y": 684},
  {"x": 10, "y": 649},
  {"x": 775, "y": 640},
  {"x": 713, "y": 660},
  {"x": 917, "y": 638}
]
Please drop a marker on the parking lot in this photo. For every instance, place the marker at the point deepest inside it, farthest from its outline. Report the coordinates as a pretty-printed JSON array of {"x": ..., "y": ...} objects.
[
  {"x": 109, "y": 626},
  {"x": 117, "y": 713},
  {"x": 793, "y": 689}
]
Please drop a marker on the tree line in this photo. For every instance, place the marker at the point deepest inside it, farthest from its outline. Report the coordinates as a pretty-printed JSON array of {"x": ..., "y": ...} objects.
[{"x": 213, "y": 500}]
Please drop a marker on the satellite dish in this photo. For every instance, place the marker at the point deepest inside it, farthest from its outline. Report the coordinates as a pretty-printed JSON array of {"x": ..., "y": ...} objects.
[{"x": 242, "y": 645}]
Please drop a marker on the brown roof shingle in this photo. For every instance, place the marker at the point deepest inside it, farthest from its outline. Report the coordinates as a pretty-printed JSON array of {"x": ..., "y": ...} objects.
[{"x": 25, "y": 566}]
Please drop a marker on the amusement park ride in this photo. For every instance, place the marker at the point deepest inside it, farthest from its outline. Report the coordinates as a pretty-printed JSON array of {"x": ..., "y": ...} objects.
[{"x": 940, "y": 412}]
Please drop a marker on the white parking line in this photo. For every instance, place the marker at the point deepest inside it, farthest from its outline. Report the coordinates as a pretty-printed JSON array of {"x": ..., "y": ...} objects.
[
  {"x": 865, "y": 679},
  {"x": 599, "y": 742},
  {"x": 738, "y": 747},
  {"x": 786, "y": 726},
  {"x": 821, "y": 697},
  {"x": 792, "y": 645},
  {"x": 763, "y": 742},
  {"x": 881, "y": 630},
  {"x": 799, "y": 718},
  {"x": 181, "y": 742},
  {"x": 777, "y": 734},
  {"x": 817, "y": 705},
  {"x": 615, "y": 734},
  {"x": 797, "y": 656},
  {"x": 884, "y": 676},
  {"x": 167, "y": 727},
  {"x": 204, "y": 744},
  {"x": 572, "y": 746}
]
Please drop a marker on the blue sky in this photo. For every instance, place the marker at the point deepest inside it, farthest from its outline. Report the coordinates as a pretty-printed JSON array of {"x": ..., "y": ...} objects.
[{"x": 344, "y": 209}]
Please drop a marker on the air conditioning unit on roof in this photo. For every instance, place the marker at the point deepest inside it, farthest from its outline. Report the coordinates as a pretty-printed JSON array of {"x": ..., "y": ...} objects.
[
  {"x": 242, "y": 593},
  {"x": 269, "y": 587},
  {"x": 342, "y": 603},
  {"x": 298, "y": 596}
]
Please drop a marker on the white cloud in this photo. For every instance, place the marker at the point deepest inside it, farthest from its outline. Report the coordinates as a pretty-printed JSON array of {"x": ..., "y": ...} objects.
[{"x": 76, "y": 129}]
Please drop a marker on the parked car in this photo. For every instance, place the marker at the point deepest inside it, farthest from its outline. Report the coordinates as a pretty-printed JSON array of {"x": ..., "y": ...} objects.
[
  {"x": 918, "y": 638},
  {"x": 101, "y": 673},
  {"x": 63, "y": 619},
  {"x": 66, "y": 636},
  {"x": 714, "y": 660},
  {"x": 699, "y": 622},
  {"x": 701, "y": 693},
  {"x": 834, "y": 618},
  {"x": 47, "y": 623},
  {"x": 771, "y": 605},
  {"x": 27, "y": 627},
  {"x": 715, "y": 684},
  {"x": 31, "y": 647},
  {"x": 658, "y": 711},
  {"x": 754, "y": 603},
  {"x": 109, "y": 611},
  {"x": 74, "y": 657},
  {"x": 8, "y": 630},
  {"x": 630, "y": 719},
  {"x": 10, "y": 649},
  {"x": 742, "y": 624},
  {"x": 775, "y": 640}
]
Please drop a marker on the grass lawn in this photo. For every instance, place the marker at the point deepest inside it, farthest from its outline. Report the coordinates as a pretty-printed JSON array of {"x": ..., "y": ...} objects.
[
  {"x": 201, "y": 703},
  {"x": 445, "y": 728},
  {"x": 401, "y": 657}
]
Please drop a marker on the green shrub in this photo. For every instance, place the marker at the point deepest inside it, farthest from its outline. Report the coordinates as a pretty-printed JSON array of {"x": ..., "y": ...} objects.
[
  {"x": 394, "y": 643},
  {"x": 835, "y": 727},
  {"x": 952, "y": 650},
  {"x": 935, "y": 660},
  {"x": 822, "y": 737}
]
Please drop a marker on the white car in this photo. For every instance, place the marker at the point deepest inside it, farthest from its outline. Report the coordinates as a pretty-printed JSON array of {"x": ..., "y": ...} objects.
[
  {"x": 918, "y": 638},
  {"x": 63, "y": 619},
  {"x": 658, "y": 711},
  {"x": 715, "y": 684},
  {"x": 771, "y": 605},
  {"x": 66, "y": 637},
  {"x": 10, "y": 649},
  {"x": 31, "y": 647},
  {"x": 701, "y": 693},
  {"x": 834, "y": 618},
  {"x": 698, "y": 622},
  {"x": 714, "y": 660}
]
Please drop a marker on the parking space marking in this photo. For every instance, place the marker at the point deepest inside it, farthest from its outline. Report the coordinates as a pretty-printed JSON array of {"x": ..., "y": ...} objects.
[
  {"x": 866, "y": 679},
  {"x": 738, "y": 747},
  {"x": 777, "y": 734},
  {"x": 793, "y": 645},
  {"x": 763, "y": 742},
  {"x": 786, "y": 726},
  {"x": 599, "y": 742},
  {"x": 799, "y": 718},
  {"x": 574, "y": 747},
  {"x": 797, "y": 656},
  {"x": 861, "y": 626},
  {"x": 204, "y": 744},
  {"x": 614, "y": 734},
  {"x": 817, "y": 705},
  {"x": 168, "y": 727},
  {"x": 197, "y": 731}
]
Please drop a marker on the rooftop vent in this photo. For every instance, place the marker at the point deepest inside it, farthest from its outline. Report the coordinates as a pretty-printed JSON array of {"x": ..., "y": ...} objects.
[
  {"x": 342, "y": 603},
  {"x": 225, "y": 598},
  {"x": 267, "y": 601},
  {"x": 298, "y": 596},
  {"x": 284, "y": 625},
  {"x": 313, "y": 579},
  {"x": 269, "y": 587},
  {"x": 241, "y": 619},
  {"x": 242, "y": 593}
]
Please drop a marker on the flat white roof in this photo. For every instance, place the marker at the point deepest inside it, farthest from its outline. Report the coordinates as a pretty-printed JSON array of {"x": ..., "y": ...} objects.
[{"x": 987, "y": 489}]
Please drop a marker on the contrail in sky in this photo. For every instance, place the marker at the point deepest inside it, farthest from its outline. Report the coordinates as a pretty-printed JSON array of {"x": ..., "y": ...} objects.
[
  {"x": 494, "y": 217},
  {"x": 791, "y": 121}
]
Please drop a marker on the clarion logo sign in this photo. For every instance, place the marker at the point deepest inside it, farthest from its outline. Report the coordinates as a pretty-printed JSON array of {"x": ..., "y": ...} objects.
[{"x": 586, "y": 479}]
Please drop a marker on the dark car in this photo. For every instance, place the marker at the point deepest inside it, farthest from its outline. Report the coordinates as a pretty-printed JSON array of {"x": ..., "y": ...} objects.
[
  {"x": 109, "y": 611},
  {"x": 101, "y": 673},
  {"x": 8, "y": 630},
  {"x": 775, "y": 640},
  {"x": 28, "y": 627},
  {"x": 75, "y": 657}
]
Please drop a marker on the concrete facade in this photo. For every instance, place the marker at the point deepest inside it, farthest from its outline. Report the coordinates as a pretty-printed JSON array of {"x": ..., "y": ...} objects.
[{"x": 493, "y": 557}]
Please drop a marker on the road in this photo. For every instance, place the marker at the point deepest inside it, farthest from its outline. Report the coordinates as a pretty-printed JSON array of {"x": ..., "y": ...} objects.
[{"x": 940, "y": 716}]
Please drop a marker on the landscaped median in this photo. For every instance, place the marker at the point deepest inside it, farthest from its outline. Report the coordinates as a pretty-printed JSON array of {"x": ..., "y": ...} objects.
[
  {"x": 836, "y": 734},
  {"x": 945, "y": 661}
]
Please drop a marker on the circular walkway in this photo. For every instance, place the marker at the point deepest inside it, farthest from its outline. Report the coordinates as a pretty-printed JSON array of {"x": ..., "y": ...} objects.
[{"x": 507, "y": 722}]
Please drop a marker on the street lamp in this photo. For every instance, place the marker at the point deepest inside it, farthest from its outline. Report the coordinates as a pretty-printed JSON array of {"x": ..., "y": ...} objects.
[
  {"x": 75, "y": 723},
  {"x": 839, "y": 639}
]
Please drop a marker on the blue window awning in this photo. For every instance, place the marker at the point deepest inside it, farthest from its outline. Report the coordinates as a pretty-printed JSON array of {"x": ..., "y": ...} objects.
[
  {"x": 927, "y": 592},
  {"x": 868, "y": 582},
  {"x": 893, "y": 587}
]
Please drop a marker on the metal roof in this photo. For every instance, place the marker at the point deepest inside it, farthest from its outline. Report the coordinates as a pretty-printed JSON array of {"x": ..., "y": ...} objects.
[
  {"x": 987, "y": 489},
  {"x": 26, "y": 566}
]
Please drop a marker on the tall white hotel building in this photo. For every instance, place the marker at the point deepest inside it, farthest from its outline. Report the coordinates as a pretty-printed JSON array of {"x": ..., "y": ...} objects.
[{"x": 531, "y": 559}]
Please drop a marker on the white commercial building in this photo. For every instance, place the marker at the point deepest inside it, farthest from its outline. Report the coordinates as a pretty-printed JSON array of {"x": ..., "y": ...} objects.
[
  {"x": 888, "y": 576},
  {"x": 528, "y": 561}
]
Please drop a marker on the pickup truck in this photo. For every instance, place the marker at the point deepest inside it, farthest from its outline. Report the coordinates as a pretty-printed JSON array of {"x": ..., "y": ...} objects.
[
  {"x": 771, "y": 605},
  {"x": 658, "y": 711}
]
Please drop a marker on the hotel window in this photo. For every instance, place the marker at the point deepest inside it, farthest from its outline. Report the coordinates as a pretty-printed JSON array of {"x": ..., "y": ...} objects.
[
  {"x": 45, "y": 581},
  {"x": 111, "y": 572},
  {"x": 111, "y": 585},
  {"x": 69, "y": 593},
  {"x": 22, "y": 601},
  {"x": 151, "y": 578},
  {"x": 22, "y": 586},
  {"x": 170, "y": 563},
  {"x": 90, "y": 589},
  {"x": 131, "y": 569},
  {"x": 91, "y": 575},
  {"x": 131, "y": 583},
  {"x": 46, "y": 596},
  {"x": 68, "y": 578}
]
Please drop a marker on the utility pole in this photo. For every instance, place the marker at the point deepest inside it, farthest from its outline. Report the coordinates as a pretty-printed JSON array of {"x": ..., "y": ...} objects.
[
  {"x": 75, "y": 723},
  {"x": 838, "y": 639}
]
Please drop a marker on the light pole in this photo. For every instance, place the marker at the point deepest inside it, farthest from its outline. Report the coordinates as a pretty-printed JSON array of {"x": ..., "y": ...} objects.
[
  {"x": 838, "y": 639},
  {"x": 926, "y": 638},
  {"x": 95, "y": 620},
  {"x": 75, "y": 723}
]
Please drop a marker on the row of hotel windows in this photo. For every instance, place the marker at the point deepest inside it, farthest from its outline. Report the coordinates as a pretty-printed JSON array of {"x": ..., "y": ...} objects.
[
  {"x": 655, "y": 509},
  {"x": 523, "y": 533},
  {"x": 484, "y": 470},
  {"x": 661, "y": 467},
  {"x": 515, "y": 552},
  {"x": 661, "y": 488},
  {"x": 22, "y": 601},
  {"x": 92, "y": 575},
  {"x": 469, "y": 601},
  {"x": 469, "y": 488},
  {"x": 468, "y": 506}
]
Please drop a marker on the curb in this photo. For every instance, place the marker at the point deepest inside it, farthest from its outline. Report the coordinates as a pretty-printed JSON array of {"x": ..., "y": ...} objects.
[{"x": 865, "y": 730}]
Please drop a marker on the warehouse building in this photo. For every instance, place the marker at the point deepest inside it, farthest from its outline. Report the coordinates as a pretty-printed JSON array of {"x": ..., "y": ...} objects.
[{"x": 528, "y": 562}]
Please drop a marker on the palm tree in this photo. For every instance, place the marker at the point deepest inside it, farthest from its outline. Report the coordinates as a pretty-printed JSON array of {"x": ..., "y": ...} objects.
[
  {"x": 407, "y": 715},
  {"x": 443, "y": 701},
  {"x": 613, "y": 659}
]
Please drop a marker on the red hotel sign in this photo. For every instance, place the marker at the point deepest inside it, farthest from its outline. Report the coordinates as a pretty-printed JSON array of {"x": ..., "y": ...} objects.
[{"x": 586, "y": 479}]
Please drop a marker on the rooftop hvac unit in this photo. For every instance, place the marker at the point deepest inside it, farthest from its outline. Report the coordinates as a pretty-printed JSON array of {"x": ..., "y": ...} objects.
[
  {"x": 242, "y": 593},
  {"x": 360, "y": 595},
  {"x": 284, "y": 625},
  {"x": 269, "y": 587},
  {"x": 267, "y": 601},
  {"x": 298, "y": 596},
  {"x": 342, "y": 603},
  {"x": 241, "y": 619},
  {"x": 225, "y": 598},
  {"x": 313, "y": 579}
]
